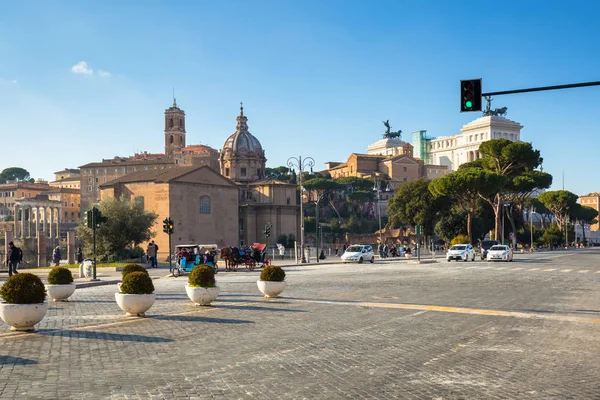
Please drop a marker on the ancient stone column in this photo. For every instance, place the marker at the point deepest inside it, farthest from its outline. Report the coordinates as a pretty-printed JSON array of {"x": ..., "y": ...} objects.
[
  {"x": 51, "y": 231},
  {"x": 41, "y": 249},
  {"x": 29, "y": 210},
  {"x": 16, "y": 220},
  {"x": 22, "y": 223},
  {"x": 8, "y": 237},
  {"x": 58, "y": 223},
  {"x": 37, "y": 221},
  {"x": 71, "y": 247}
]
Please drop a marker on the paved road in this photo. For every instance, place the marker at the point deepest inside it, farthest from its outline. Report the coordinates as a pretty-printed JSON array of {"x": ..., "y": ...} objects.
[{"x": 529, "y": 329}]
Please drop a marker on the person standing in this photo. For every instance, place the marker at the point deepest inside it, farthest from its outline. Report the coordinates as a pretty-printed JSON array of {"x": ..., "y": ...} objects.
[
  {"x": 281, "y": 250},
  {"x": 155, "y": 265},
  {"x": 151, "y": 252},
  {"x": 79, "y": 255},
  {"x": 13, "y": 258},
  {"x": 56, "y": 256}
]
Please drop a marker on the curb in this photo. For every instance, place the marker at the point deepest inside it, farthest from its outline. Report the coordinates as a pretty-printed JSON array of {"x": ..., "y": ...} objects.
[{"x": 96, "y": 283}]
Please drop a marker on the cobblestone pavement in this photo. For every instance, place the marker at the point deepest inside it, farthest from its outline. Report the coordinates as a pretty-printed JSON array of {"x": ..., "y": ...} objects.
[{"x": 529, "y": 329}]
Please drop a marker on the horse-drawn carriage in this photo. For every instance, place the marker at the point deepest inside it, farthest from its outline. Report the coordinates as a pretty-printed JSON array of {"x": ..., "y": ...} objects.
[
  {"x": 187, "y": 256},
  {"x": 248, "y": 256}
]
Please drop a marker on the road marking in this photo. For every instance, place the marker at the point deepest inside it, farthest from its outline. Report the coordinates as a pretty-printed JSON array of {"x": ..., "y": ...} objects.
[
  {"x": 550, "y": 269},
  {"x": 598, "y": 272},
  {"x": 517, "y": 269},
  {"x": 459, "y": 310},
  {"x": 486, "y": 267},
  {"x": 499, "y": 268},
  {"x": 566, "y": 270},
  {"x": 534, "y": 269},
  {"x": 471, "y": 267},
  {"x": 583, "y": 271}
]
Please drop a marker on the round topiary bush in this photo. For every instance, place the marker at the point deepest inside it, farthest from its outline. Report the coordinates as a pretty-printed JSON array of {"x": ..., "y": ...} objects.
[
  {"x": 202, "y": 276},
  {"x": 272, "y": 273},
  {"x": 23, "y": 288},
  {"x": 132, "y": 268},
  {"x": 60, "y": 276},
  {"x": 137, "y": 283}
]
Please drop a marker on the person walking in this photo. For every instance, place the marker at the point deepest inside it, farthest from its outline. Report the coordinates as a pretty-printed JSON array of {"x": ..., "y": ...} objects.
[
  {"x": 281, "y": 250},
  {"x": 13, "y": 257},
  {"x": 56, "y": 257},
  {"x": 151, "y": 251},
  {"x": 79, "y": 255}
]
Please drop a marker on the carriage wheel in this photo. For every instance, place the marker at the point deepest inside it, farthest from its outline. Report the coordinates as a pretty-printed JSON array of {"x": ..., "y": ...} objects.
[
  {"x": 176, "y": 272},
  {"x": 251, "y": 266}
]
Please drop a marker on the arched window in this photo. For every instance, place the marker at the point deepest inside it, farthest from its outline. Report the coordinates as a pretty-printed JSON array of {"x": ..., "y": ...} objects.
[
  {"x": 171, "y": 139},
  {"x": 204, "y": 205},
  {"x": 181, "y": 122},
  {"x": 171, "y": 123}
]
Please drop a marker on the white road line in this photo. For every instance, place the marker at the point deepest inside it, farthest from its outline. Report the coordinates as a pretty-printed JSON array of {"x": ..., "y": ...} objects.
[
  {"x": 583, "y": 271},
  {"x": 566, "y": 270},
  {"x": 534, "y": 269},
  {"x": 550, "y": 269}
]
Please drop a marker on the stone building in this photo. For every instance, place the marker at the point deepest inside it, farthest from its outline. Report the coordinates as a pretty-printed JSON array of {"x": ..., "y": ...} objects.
[
  {"x": 12, "y": 191},
  {"x": 202, "y": 203},
  {"x": 262, "y": 201},
  {"x": 68, "y": 178},
  {"x": 452, "y": 151},
  {"x": 591, "y": 200}
]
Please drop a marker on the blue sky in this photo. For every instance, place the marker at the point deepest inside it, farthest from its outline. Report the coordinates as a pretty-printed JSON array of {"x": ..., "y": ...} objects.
[{"x": 316, "y": 77}]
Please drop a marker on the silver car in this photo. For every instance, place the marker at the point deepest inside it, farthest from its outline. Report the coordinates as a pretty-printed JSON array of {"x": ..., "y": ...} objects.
[{"x": 460, "y": 252}]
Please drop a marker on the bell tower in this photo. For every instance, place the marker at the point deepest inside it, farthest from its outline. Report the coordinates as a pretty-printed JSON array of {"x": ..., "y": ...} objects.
[{"x": 174, "y": 129}]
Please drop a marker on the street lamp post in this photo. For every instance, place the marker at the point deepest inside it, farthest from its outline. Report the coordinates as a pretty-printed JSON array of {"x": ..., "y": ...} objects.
[
  {"x": 318, "y": 232},
  {"x": 531, "y": 212},
  {"x": 503, "y": 214},
  {"x": 377, "y": 189},
  {"x": 301, "y": 164}
]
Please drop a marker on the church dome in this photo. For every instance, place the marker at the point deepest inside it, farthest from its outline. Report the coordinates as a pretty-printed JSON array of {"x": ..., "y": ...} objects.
[{"x": 242, "y": 142}]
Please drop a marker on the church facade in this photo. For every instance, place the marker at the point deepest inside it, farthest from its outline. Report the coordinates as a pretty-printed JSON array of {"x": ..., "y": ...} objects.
[{"x": 241, "y": 163}]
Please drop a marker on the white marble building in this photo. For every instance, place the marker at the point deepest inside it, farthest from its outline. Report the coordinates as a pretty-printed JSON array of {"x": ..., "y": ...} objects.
[{"x": 452, "y": 151}]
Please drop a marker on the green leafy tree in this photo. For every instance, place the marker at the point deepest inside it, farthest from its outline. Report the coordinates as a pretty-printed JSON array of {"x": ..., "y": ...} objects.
[
  {"x": 584, "y": 215},
  {"x": 356, "y": 183},
  {"x": 559, "y": 202},
  {"x": 413, "y": 203},
  {"x": 552, "y": 235},
  {"x": 464, "y": 187},
  {"x": 14, "y": 174},
  {"x": 517, "y": 162},
  {"x": 320, "y": 187},
  {"x": 359, "y": 198},
  {"x": 128, "y": 226},
  {"x": 281, "y": 174}
]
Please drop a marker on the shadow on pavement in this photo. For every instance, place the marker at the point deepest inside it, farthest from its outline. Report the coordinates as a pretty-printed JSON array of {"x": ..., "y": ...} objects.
[
  {"x": 192, "y": 318},
  {"x": 257, "y": 308},
  {"x": 75, "y": 334},
  {"x": 8, "y": 360}
]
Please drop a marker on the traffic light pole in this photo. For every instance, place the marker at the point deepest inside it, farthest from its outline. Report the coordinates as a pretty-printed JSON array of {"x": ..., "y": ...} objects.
[
  {"x": 170, "y": 256},
  {"x": 543, "y": 88},
  {"x": 94, "y": 240}
]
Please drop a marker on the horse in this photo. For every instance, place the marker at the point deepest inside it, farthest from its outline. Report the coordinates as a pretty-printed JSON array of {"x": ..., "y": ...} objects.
[{"x": 228, "y": 255}]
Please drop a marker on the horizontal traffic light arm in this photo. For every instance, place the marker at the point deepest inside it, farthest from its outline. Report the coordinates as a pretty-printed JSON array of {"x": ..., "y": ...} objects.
[{"x": 543, "y": 88}]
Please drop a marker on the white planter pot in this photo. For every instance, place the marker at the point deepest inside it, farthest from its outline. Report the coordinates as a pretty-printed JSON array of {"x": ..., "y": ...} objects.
[
  {"x": 135, "y": 304},
  {"x": 270, "y": 289},
  {"x": 200, "y": 295},
  {"x": 23, "y": 317},
  {"x": 60, "y": 292}
]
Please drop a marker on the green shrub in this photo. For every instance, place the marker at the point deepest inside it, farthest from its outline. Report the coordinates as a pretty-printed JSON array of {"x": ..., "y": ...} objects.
[
  {"x": 137, "y": 283},
  {"x": 60, "y": 276},
  {"x": 272, "y": 273},
  {"x": 23, "y": 288},
  {"x": 202, "y": 276},
  {"x": 132, "y": 268},
  {"x": 460, "y": 239}
]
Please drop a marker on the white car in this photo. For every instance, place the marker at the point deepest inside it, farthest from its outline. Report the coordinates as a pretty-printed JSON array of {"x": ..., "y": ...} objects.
[
  {"x": 462, "y": 252},
  {"x": 359, "y": 254},
  {"x": 500, "y": 252}
]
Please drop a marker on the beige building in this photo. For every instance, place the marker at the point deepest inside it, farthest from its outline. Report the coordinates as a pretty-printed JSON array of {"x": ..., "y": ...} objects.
[
  {"x": 591, "y": 200},
  {"x": 202, "y": 203},
  {"x": 9, "y": 192}
]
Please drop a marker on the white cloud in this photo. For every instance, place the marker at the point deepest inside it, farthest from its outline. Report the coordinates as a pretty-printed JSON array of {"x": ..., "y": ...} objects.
[
  {"x": 8, "y": 81},
  {"x": 104, "y": 74},
  {"x": 82, "y": 68}
]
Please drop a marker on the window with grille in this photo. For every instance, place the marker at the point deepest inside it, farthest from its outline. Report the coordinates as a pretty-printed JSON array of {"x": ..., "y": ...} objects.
[{"x": 204, "y": 205}]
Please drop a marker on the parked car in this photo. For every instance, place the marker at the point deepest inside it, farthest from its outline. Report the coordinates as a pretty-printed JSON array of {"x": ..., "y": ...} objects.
[
  {"x": 358, "y": 253},
  {"x": 500, "y": 252},
  {"x": 485, "y": 246},
  {"x": 462, "y": 252}
]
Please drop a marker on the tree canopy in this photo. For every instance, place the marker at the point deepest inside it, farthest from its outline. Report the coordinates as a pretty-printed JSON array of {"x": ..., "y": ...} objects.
[
  {"x": 464, "y": 187},
  {"x": 559, "y": 202},
  {"x": 128, "y": 226},
  {"x": 356, "y": 183},
  {"x": 15, "y": 174},
  {"x": 414, "y": 204}
]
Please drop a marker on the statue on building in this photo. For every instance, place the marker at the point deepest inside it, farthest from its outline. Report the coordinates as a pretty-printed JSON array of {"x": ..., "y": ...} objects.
[
  {"x": 388, "y": 132},
  {"x": 500, "y": 112}
]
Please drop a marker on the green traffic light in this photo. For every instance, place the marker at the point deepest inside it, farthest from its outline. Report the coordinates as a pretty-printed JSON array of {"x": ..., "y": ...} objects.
[{"x": 468, "y": 104}]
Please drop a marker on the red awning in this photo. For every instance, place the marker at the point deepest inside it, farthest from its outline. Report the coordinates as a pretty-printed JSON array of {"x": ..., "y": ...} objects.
[{"x": 258, "y": 246}]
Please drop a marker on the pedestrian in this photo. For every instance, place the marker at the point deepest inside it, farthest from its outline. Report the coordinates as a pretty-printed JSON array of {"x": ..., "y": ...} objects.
[
  {"x": 380, "y": 250},
  {"x": 13, "y": 257},
  {"x": 79, "y": 255},
  {"x": 151, "y": 251},
  {"x": 155, "y": 254},
  {"x": 56, "y": 257},
  {"x": 281, "y": 250},
  {"x": 336, "y": 251}
]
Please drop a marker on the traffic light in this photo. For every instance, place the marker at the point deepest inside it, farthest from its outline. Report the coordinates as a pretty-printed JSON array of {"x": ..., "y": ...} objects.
[
  {"x": 89, "y": 218},
  {"x": 470, "y": 95},
  {"x": 267, "y": 230},
  {"x": 168, "y": 226},
  {"x": 98, "y": 219}
]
